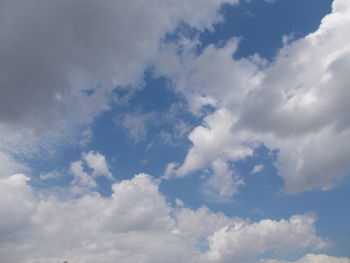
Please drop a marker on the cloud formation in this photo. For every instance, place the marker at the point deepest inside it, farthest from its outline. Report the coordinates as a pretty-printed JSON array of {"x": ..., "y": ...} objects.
[
  {"x": 85, "y": 181},
  {"x": 297, "y": 104},
  {"x": 238, "y": 244},
  {"x": 60, "y": 63},
  {"x": 97, "y": 162},
  {"x": 134, "y": 224}
]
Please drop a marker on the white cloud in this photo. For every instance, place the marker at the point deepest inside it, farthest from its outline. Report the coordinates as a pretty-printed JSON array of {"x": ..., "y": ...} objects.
[
  {"x": 301, "y": 105},
  {"x": 97, "y": 162},
  {"x": 297, "y": 104},
  {"x": 50, "y": 175},
  {"x": 314, "y": 160},
  {"x": 213, "y": 146},
  {"x": 135, "y": 224},
  {"x": 257, "y": 168},
  {"x": 212, "y": 140},
  {"x": 84, "y": 181},
  {"x": 81, "y": 178},
  {"x": 312, "y": 258},
  {"x": 179, "y": 203},
  {"x": 169, "y": 170},
  {"x": 212, "y": 78},
  {"x": 240, "y": 243}
]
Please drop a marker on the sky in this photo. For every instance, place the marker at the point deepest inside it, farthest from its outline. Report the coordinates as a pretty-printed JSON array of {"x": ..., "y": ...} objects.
[{"x": 202, "y": 131}]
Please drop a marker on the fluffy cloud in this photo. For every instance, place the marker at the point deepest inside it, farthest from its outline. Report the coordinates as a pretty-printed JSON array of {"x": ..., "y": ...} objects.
[
  {"x": 312, "y": 258},
  {"x": 134, "y": 224},
  {"x": 257, "y": 168},
  {"x": 84, "y": 181},
  {"x": 81, "y": 178},
  {"x": 297, "y": 104},
  {"x": 301, "y": 105},
  {"x": 97, "y": 162},
  {"x": 214, "y": 146},
  {"x": 240, "y": 243},
  {"x": 212, "y": 78},
  {"x": 214, "y": 139}
]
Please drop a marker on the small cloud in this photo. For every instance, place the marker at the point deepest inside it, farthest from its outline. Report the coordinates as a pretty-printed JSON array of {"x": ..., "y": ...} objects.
[
  {"x": 97, "y": 162},
  {"x": 49, "y": 175},
  {"x": 86, "y": 137},
  {"x": 85, "y": 181},
  {"x": 179, "y": 203},
  {"x": 170, "y": 170},
  {"x": 82, "y": 180},
  {"x": 136, "y": 124},
  {"x": 257, "y": 169}
]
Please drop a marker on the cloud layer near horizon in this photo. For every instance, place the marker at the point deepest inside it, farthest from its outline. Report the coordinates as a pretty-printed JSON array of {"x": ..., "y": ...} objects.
[{"x": 135, "y": 224}]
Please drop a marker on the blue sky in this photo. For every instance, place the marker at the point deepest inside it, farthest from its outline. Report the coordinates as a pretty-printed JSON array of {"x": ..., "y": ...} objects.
[{"x": 196, "y": 131}]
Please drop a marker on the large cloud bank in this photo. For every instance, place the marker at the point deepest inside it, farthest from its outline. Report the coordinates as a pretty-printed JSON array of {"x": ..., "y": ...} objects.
[{"x": 135, "y": 224}]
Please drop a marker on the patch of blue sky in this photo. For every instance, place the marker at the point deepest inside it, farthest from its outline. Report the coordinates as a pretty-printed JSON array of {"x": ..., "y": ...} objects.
[
  {"x": 261, "y": 25},
  {"x": 151, "y": 153}
]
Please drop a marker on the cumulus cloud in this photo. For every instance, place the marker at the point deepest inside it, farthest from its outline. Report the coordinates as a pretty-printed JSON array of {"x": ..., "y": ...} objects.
[
  {"x": 301, "y": 105},
  {"x": 214, "y": 139},
  {"x": 297, "y": 104},
  {"x": 97, "y": 162},
  {"x": 84, "y": 181},
  {"x": 134, "y": 224},
  {"x": 212, "y": 78},
  {"x": 214, "y": 146},
  {"x": 240, "y": 243},
  {"x": 257, "y": 168},
  {"x": 81, "y": 178}
]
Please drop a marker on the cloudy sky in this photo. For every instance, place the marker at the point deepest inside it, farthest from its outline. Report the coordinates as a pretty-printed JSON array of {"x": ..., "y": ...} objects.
[{"x": 194, "y": 131}]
